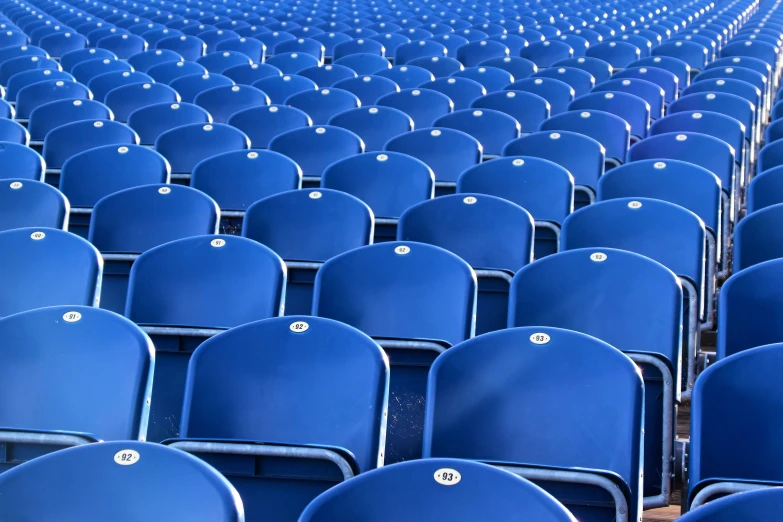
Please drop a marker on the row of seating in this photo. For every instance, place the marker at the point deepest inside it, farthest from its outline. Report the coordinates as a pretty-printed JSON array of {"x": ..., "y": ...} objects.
[{"x": 335, "y": 376}]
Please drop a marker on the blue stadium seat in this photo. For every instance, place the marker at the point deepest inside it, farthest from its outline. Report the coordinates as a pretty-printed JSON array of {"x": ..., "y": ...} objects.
[
  {"x": 770, "y": 156},
  {"x": 486, "y": 492},
  {"x": 125, "y": 100},
  {"x": 89, "y": 69},
  {"x": 439, "y": 66},
  {"x": 218, "y": 61},
  {"x": 581, "y": 155},
  {"x": 40, "y": 93},
  {"x": 731, "y": 105},
  {"x": 292, "y": 63},
  {"x": 424, "y": 106},
  {"x": 222, "y": 102},
  {"x": 33, "y": 270},
  {"x": 190, "y": 86},
  {"x": 374, "y": 125},
  {"x": 301, "y": 46},
  {"x": 315, "y": 148},
  {"x": 306, "y": 228},
  {"x": 226, "y": 367},
  {"x": 273, "y": 37},
  {"x": 590, "y": 382},
  {"x": 252, "y": 48},
  {"x": 666, "y": 80},
  {"x": 461, "y": 91},
  {"x": 245, "y": 282},
  {"x": 323, "y": 104},
  {"x": 733, "y": 392},
  {"x": 20, "y": 80},
  {"x": 477, "y": 227},
  {"x": 65, "y": 141},
  {"x": 493, "y": 129},
  {"x": 27, "y": 203},
  {"x": 167, "y": 72},
  {"x": 756, "y": 238},
  {"x": 189, "y": 47},
  {"x": 102, "y": 396},
  {"x": 492, "y": 79},
  {"x": 547, "y": 53},
  {"x": 664, "y": 232},
  {"x": 577, "y": 42},
  {"x": 713, "y": 124},
  {"x": 368, "y": 88},
  {"x": 618, "y": 54},
  {"x": 581, "y": 81},
  {"x": 358, "y": 46},
  {"x": 740, "y": 506},
  {"x": 103, "y": 83},
  {"x": 765, "y": 189},
  {"x": 451, "y": 41},
  {"x": 72, "y": 478},
  {"x": 682, "y": 183},
  {"x": 184, "y": 146},
  {"x": 650, "y": 92},
  {"x": 477, "y": 52},
  {"x": 236, "y": 180},
  {"x": 432, "y": 293},
  {"x": 761, "y": 50},
  {"x": 280, "y": 88},
  {"x": 327, "y": 75},
  {"x": 364, "y": 63},
  {"x": 774, "y": 132},
  {"x": 543, "y": 188},
  {"x": 647, "y": 297},
  {"x": 331, "y": 39},
  {"x": 599, "y": 69},
  {"x": 692, "y": 53},
  {"x": 514, "y": 42},
  {"x": 215, "y": 36},
  {"x": 15, "y": 51},
  {"x": 246, "y": 74},
  {"x": 730, "y": 86},
  {"x": 127, "y": 222},
  {"x": 711, "y": 153},
  {"x": 611, "y": 131},
  {"x": 24, "y": 63},
  {"x": 408, "y": 52},
  {"x": 147, "y": 59},
  {"x": 69, "y": 60},
  {"x": 756, "y": 78},
  {"x": 13, "y": 132},
  {"x": 6, "y": 111},
  {"x": 262, "y": 123},
  {"x": 557, "y": 93},
  {"x": 59, "y": 44},
  {"x": 518, "y": 67},
  {"x": 389, "y": 183},
  {"x": 123, "y": 45},
  {"x": 527, "y": 108},
  {"x": 17, "y": 161},
  {"x": 447, "y": 152},
  {"x": 153, "y": 120},
  {"x": 407, "y": 76}
]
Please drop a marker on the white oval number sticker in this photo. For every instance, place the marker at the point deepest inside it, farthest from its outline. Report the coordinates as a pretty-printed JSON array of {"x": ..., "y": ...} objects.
[
  {"x": 299, "y": 327},
  {"x": 126, "y": 457},
  {"x": 71, "y": 317},
  {"x": 598, "y": 257},
  {"x": 402, "y": 250},
  {"x": 540, "y": 338},
  {"x": 447, "y": 476},
  {"x": 37, "y": 235},
  {"x": 217, "y": 243}
]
